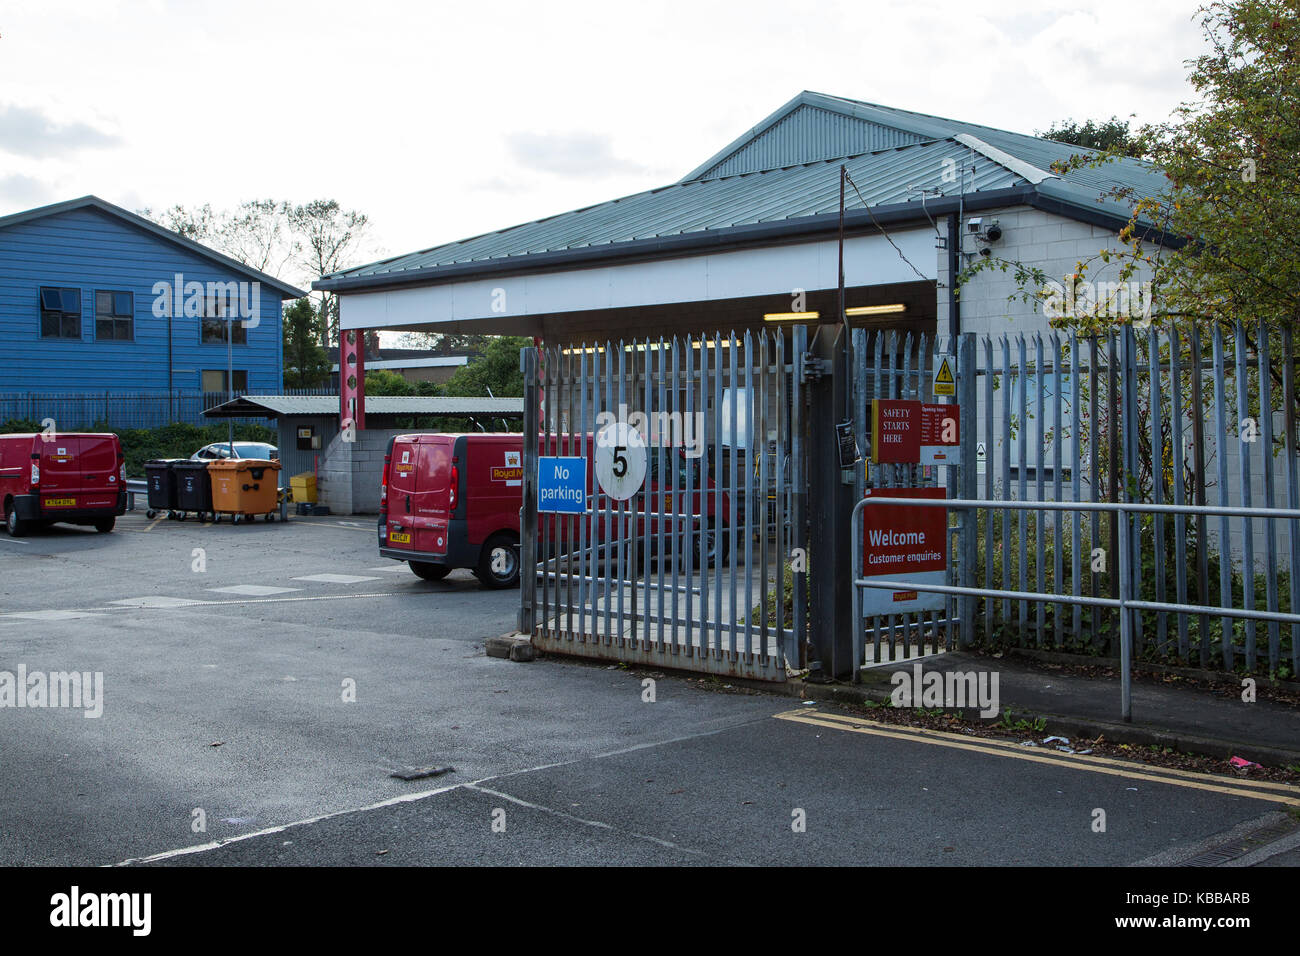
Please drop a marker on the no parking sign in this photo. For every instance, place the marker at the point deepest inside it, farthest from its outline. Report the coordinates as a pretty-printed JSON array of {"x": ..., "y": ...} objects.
[{"x": 562, "y": 485}]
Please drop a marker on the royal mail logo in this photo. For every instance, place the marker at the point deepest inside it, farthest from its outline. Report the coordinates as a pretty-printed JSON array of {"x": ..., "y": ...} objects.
[{"x": 512, "y": 472}]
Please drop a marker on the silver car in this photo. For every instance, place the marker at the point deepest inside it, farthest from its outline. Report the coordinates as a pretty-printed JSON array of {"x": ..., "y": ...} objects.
[{"x": 242, "y": 449}]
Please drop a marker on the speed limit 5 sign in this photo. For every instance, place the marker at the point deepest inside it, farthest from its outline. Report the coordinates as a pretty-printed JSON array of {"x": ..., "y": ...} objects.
[{"x": 620, "y": 460}]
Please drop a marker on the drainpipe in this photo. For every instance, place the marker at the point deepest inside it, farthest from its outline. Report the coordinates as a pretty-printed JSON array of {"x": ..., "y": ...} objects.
[{"x": 954, "y": 247}]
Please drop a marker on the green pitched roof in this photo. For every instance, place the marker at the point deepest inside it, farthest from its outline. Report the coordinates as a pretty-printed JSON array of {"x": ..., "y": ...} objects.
[{"x": 781, "y": 178}]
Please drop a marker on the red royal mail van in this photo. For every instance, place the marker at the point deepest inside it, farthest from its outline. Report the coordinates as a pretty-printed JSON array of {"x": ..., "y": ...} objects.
[
  {"x": 452, "y": 501},
  {"x": 77, "y": 478}
]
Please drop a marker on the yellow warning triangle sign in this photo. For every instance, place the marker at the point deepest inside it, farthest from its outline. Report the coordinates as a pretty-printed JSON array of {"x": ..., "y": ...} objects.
[{"x": 944, "y": 376}]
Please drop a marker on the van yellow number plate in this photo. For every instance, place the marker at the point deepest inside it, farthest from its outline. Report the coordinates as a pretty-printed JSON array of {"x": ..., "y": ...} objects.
[
  {"x": 395, "y": 538},
  {"x": 60, "y": 502}
]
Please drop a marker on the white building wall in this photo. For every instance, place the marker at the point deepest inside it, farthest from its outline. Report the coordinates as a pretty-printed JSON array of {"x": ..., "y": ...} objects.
[
  {"x": 1039, "y": 239},
  {"x": 1057, "y": 245}
]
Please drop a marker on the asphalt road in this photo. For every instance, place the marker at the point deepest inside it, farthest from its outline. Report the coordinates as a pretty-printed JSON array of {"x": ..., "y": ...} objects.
[{"x": 232, "y": 708}]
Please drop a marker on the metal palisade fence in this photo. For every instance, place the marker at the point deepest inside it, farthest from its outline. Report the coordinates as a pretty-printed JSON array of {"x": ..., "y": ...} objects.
[{"x": 1174, "y": 417}]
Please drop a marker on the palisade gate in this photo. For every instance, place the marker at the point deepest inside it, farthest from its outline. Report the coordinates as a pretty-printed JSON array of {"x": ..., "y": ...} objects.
[
  {"x": 1178, "y": 446},
  {"x": 888, "y": 367},
  {"x": 688, "y": 549}
]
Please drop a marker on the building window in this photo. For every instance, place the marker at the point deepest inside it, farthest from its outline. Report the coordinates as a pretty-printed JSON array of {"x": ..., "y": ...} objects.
[
  {"x": 214, "y": 332},
  {"x": 60, "y": 313},
  {"x": 114, "y": 316},
  {"x": 214, "y": 380},
  {"x": 213, "y": 325}
]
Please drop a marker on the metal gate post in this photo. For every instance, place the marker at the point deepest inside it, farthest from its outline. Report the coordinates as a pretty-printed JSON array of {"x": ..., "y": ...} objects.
[
  {"x": 969, "y": 472},
  {"x": 832, "y": 509},
  {"x": 1130, "y": 550},
  {"x": 1125, "y": 623},
  {"x": 797, "y": 652},
  {"x": 528, "y": 513}
]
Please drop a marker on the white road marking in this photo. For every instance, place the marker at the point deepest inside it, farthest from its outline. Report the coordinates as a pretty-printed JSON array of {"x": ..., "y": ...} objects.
[
  {"x": 203, "y": 602},
  {"x": 601, "y": 825},
  {"x": 153, "y": 600},
  {"x": 215, "y": 844},
  {"x": 335, "y": 578},
  {"x": 253, "y": 590},
  {"x": 50, "y": 615},
  {"x": 333, "y": 526},
  {"x": 14, "y": 540},
  {"x": 423, "y": 794}
]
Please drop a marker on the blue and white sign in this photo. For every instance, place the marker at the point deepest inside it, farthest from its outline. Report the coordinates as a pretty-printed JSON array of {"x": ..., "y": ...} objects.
[{"x": 562, "y": 485}]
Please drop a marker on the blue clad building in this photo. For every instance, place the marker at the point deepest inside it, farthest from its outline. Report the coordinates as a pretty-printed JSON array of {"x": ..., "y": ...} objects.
[{"x": 95, "y": 299}]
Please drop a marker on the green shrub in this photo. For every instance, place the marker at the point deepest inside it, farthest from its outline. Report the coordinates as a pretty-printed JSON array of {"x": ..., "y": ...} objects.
[{"x": 179, "y": 440}]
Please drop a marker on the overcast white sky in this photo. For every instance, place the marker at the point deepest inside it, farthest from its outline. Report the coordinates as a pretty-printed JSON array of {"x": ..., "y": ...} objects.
[{"x": 442, "y": 121}]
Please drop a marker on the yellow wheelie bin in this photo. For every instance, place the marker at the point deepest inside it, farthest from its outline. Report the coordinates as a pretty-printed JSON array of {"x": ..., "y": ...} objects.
[{"x": 245, "y": 488}]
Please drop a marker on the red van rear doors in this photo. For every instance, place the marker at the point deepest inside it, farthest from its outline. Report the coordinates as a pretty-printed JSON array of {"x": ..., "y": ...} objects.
[
  {"x": 78, "y": 471},
  {"x": 99, "y": 471},
  {"x": 419, "y": 485},
  {"x": 61, "y": 482},
  {"x": 404, "y": 458},
  {"x": 431, "y": 507}
]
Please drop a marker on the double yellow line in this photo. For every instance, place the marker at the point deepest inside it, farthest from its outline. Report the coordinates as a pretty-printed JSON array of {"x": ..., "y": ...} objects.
[{"x": 1253, "y": 789}]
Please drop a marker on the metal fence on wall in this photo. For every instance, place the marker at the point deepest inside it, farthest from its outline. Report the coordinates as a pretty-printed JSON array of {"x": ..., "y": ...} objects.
[
  {"x": 1177, "y": 417},
  {"x": 72, "y": 411}
]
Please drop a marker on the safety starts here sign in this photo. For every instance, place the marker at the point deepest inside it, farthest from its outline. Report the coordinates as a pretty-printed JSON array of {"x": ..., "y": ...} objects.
[{"x": 905, "y": 432}]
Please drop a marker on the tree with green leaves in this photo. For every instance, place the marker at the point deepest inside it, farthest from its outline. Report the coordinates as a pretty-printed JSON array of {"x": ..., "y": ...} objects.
[
  {"x": 495, "y": 372},
  {"x": 1109, "y": 136},
  {"x": 1217, "y": 243},
  {"x": 306, "y": 363},
  {"x": 381, "y": 381},
  {"x": 1232, "y": 161}
]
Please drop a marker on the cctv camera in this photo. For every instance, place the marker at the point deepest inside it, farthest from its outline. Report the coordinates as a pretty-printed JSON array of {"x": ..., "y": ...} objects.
[{"x": 994, "y": 232}]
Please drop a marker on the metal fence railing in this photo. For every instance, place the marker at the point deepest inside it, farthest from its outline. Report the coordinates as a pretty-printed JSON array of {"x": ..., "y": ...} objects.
[
  {"x": 1180, "y": 416},
  {"x": 1128, "y": 606},
  {"x": 117, "y": 410}
]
